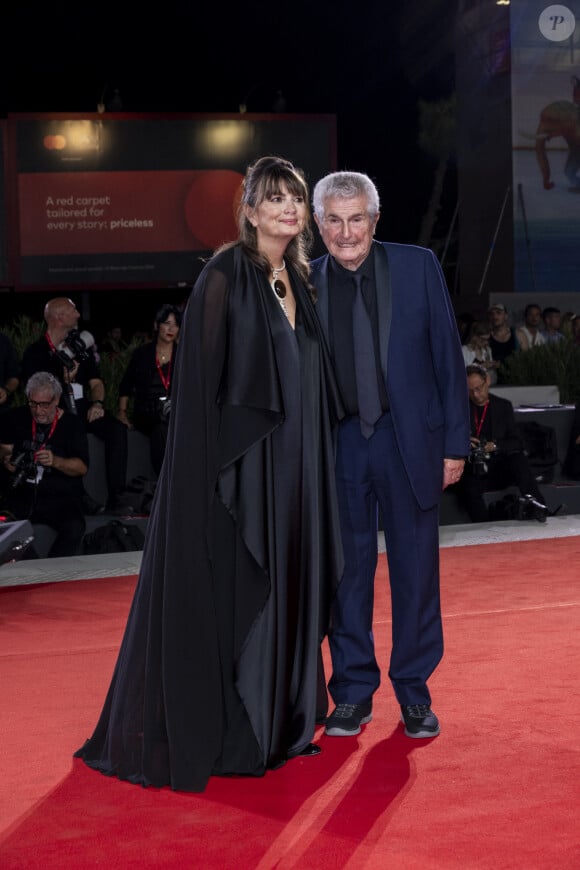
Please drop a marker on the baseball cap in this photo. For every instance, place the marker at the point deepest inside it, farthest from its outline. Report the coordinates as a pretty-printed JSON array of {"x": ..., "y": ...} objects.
[{"x": 497, "y": 307}]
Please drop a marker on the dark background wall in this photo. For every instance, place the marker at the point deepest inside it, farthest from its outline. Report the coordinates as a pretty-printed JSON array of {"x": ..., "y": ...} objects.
[
  {"x": 484, "y": 150},
  {"x": 369, "y": 65}
]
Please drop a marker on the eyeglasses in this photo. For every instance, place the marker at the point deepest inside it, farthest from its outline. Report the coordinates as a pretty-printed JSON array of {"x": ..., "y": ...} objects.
[{"x": 42, "y": 405}]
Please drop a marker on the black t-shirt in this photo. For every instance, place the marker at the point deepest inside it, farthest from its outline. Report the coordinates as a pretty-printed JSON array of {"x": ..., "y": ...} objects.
[
  {"x": 141, "y": 379},
  {"x": 502, "y": 349}
]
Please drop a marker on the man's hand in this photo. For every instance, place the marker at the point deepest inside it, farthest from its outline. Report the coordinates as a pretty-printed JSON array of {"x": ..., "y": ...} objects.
[
  {"x": 95, "y": 412},
  {"x": 452, "y": 471},
  {"x": 7, "y": 462},
  {"x": 69, "y": 375},
  {"x": 45, "y": 457}
]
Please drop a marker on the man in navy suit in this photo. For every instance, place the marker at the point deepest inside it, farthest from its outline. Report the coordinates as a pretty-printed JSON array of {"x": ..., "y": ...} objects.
[{"x": 398, "y": 457}]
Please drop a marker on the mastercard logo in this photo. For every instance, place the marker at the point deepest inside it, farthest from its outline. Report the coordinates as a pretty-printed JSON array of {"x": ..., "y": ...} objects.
[
  {"x": 54, "y": 143},
  {"x": 211, "y": 205}
]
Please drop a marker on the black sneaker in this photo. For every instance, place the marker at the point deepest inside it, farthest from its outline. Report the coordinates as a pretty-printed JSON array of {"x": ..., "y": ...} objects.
[
  {"x": 346, "y": 719},
  {"x": 420, "y": 720},
  {"x": 532, "y": 509}
]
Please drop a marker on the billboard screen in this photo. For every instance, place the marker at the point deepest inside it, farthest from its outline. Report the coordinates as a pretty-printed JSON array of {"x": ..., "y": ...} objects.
[
  {"x": 546, "y": 145},
  {"x": 111, "y": 201}
]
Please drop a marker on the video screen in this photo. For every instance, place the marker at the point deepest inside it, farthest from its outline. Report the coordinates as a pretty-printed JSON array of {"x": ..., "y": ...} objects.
[{"x": 139, "y": 201}]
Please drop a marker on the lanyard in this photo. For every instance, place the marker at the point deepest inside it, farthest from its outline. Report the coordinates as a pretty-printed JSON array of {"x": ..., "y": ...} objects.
[
  {"x": 50, "y": 431},
  {"x": 479, "y": 422},
  {"x": 165, "y": 379}
]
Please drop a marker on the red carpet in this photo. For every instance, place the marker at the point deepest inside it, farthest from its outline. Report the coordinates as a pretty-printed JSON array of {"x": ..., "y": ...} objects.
[{"x": 499, "y": 788}]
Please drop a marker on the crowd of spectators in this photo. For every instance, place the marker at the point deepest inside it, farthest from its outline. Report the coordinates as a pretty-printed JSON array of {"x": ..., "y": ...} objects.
[
  {"x": 491, "y": 340},
  {"x": 62, "y": 386},
  {"x": 121, "y": 383},
  {"x": 498, "y": 457}
]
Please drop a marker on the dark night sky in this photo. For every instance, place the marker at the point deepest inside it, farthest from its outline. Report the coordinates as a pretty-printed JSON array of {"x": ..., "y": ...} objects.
[{"x": 369, "y": 70}]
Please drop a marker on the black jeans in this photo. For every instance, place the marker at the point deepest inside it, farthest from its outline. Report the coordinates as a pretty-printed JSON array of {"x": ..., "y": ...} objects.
[
  {"x": 113, "y": 433},
  {"x": 156, "y": 430}
]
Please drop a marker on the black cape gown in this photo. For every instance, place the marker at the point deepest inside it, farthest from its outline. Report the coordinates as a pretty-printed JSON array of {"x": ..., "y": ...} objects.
[{"x": 217, "y": 670}]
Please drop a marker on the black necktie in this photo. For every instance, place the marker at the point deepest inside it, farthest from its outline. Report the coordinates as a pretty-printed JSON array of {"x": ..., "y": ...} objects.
[{"x": 369, "y": 403}]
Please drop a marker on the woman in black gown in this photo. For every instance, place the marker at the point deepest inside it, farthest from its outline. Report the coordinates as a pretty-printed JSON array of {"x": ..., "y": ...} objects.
[{"x": 217, "y": 672}]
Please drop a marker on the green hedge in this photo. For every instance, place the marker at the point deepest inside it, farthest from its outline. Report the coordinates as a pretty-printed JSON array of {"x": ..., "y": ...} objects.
[{"x": 554, "y": 363}]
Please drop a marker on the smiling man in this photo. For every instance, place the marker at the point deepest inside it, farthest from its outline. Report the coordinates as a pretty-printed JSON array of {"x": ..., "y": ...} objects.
[{"x": 392, "y": 333}]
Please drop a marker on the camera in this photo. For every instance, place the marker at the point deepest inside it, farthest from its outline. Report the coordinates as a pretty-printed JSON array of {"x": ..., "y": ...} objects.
[
  {"x": 479, "y": 458},
  {"x": 164, "y": 407},
  {"x": 76, "y": 346},
  {"x": 26, "y": 468}
]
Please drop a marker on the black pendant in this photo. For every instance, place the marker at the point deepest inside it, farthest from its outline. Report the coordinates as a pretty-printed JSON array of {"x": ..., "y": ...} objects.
[{"x": 279, "y": 289}]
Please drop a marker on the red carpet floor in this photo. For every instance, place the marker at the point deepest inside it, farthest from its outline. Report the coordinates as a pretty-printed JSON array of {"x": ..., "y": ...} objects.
[{"x": 499, "y": 788}]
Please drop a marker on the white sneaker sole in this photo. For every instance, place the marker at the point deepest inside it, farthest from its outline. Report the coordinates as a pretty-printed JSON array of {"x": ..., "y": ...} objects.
[
  {"x": 420, "y": 734},
  {"x": 337, "y": 731}
]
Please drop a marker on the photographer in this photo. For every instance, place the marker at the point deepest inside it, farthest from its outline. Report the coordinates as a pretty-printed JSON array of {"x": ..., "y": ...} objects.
[
  {"x": 147, "y": 380},
  {"x": 497, "y": 457},
  {"x": 64, "y": 353},
  {"x": 45, "y": 454}
]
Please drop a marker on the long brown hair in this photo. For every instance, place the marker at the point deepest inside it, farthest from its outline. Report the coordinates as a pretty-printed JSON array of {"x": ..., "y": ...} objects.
[{"x": 264, "y": 179}]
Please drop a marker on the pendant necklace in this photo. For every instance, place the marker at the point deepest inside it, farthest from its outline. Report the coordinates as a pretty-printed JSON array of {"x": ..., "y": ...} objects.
[{"x": 279, "y": 287}]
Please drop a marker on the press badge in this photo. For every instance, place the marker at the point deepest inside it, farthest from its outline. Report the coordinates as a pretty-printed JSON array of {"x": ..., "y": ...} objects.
[{"x": 78, "y": 392}]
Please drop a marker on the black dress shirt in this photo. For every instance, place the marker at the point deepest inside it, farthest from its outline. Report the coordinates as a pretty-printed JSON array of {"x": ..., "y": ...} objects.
[{"x": 340, "y": 300}]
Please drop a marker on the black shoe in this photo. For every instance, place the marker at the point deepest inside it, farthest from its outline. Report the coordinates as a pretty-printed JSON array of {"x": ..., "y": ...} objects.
[
  {"x": 420, "y": 720},
  {"x": 310, "y": 749},
  {"x": 532, "y": 509},
  {"x": 307, "y": 751},
  {"x": 346, "y": 719}
]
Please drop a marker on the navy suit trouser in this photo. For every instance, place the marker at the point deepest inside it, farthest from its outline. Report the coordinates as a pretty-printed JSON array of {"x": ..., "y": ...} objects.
[{"x": 370, "y": 475}]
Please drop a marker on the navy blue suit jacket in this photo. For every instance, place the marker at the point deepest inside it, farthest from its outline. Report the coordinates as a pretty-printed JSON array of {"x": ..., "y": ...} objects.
[{"x": 421, "y": 360}]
